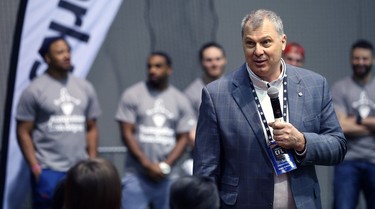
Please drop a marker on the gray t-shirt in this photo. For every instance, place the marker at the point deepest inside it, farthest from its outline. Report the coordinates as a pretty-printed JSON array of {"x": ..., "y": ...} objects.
[
  {"x": 194, "y": 93},
  {"x": 353, "y": 99},
  {"x": 59, "y": 110},
  {"x": 158, "y": 116}
]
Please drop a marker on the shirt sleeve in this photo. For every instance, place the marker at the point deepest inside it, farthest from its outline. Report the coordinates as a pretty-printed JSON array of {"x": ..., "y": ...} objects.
[
  {"x": 338, "y": 98},
  {"x": 93, "y": 109},
  {"x": 127, "y": 108},
  {"x": 27, "y": 106},
  {"x": 187, "y": 119}
]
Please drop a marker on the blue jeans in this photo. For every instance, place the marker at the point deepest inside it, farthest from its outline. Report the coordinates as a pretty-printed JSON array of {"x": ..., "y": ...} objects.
[
  {"x": 139, "y": 192},
  {"x": 352, "y": 177},
  {"x": 43, "y": 189}
]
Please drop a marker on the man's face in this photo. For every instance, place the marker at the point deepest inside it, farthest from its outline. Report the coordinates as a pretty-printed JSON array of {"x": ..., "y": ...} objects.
[
  {"x": 158, "y": 70},
  {"x": 213, "y": 62},
  {"x": 362, "y": 61},
  {"x": 58, "y": 56},
  {"x": 293, "y": 57},
  {"x": 263, "y": 48}
]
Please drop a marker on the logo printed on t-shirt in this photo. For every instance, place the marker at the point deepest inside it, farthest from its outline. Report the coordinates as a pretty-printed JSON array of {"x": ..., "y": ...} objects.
[
  {"x": 363, "y": 105},
  {"x": 66, "y": 122},
  {"x": 66, "y": 101},
  {"x": 160, "y": 133},
  {"x": 159, "y": 113}
]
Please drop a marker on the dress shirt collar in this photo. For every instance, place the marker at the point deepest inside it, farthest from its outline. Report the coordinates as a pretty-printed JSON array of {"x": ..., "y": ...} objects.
[{"x": 261, "y": 84}]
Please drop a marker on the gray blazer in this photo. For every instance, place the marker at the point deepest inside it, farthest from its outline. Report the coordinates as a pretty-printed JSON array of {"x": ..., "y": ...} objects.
[{"x": 230, "y": 145}]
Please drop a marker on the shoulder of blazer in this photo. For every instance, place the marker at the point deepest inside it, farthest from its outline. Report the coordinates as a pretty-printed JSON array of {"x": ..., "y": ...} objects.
[
  {"x": 297, "y": 74},
  {"x": 240, "y": 76}
]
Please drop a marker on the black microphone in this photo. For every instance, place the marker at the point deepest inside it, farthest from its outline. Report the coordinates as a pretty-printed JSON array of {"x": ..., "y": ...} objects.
[{"x": 273, "y": 93}]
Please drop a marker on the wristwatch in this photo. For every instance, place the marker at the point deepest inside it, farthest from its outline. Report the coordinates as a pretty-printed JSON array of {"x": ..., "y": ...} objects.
[{"x": 165, "y": 168}]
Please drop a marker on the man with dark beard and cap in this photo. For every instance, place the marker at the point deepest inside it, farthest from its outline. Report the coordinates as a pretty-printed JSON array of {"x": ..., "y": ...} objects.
[{"x": 354, "y": 101}]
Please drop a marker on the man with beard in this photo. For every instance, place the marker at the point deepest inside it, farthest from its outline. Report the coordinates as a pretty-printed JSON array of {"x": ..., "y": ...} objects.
[
  {"x": 354, "y": 101},
  {"x": 154, "y": 119},
  {"x": 56, "y": 121}
]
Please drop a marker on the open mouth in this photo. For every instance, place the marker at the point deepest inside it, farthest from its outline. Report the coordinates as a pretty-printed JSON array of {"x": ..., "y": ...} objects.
[{"x": 260, "y": 62}]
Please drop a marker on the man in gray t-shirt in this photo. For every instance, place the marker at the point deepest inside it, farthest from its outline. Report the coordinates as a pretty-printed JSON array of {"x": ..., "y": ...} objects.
[
  {"x": 56, "y": 121},
  {"x": 155, "y": 119},
  {"x": 354, "y": 102},
  {"x": 212, "y": 59}
]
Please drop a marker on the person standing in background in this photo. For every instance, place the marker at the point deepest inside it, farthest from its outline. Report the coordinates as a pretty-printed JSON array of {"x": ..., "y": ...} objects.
[
  {"x": 294, "y": 54},
  {"x": 155, "y": 119},
  {"x": 56, "y": 121},
  {"x": 354, "y": 101},
  {"x": 212, "y": 59},
  {"x": 255, "y": 161}
]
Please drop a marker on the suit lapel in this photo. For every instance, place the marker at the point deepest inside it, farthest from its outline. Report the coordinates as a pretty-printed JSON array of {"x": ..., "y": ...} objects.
[
  {"x": 295, "y": 98},
  {"x": 245, "y": 100}
]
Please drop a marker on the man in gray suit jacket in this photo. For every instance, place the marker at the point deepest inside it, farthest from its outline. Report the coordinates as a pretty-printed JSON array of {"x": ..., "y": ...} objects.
[{"x": 255, "y": 160}]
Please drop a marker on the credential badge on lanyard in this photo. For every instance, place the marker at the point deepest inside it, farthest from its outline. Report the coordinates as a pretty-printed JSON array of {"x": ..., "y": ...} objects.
[{"x": 282, "y": 159}]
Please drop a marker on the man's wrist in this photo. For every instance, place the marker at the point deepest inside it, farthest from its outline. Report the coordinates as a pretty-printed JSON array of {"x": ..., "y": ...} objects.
[
  {"x": 165, "y": 168},
  {"x": 302, "y": 152},
  {"x": 36, "y": 168},
  {"x": 301, "y": 145}
]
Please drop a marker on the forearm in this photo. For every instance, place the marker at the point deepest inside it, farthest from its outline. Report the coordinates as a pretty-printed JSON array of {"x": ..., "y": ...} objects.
[
  {"x": 135, "y": 150},
  {"x": 128, "y": 137},
  {"x": 92, "y": 142},
  {"x": 191, "y": 139},
  {"x": 326, "y": 145},
  {"x": 27, "y": 149},
  {"x": 369, "y": 123},
  {"x": 178, "y": 150},
  {"x": 351, "y": 128},
  {"x": 324, "y": 149},
  {"x": 92, "y": 138},
  {"x": 25, "y": 141},
  {"x": 24, "y": 130}
]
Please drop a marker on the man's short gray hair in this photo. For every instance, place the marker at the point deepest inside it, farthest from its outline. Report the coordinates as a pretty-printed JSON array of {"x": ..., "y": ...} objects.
[{"x": 256, "y": 18}]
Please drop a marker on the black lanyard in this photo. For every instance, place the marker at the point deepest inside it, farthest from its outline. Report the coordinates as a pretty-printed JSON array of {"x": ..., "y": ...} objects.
[{"x": 261, "y": 112}]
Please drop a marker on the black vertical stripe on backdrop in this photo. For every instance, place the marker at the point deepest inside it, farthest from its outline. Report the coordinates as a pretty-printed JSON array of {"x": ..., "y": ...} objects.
[{"x": 9, "y": 96}]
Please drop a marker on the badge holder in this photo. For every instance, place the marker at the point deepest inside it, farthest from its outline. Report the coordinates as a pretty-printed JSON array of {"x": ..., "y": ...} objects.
[{"x": 282, "y": 159}]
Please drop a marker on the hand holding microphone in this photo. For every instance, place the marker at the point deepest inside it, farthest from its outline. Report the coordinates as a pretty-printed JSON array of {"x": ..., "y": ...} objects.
[{"x": 284, "y": 133}]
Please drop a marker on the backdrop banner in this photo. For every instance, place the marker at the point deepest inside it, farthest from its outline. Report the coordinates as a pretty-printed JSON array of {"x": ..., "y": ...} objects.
[{"x": 85, "y": 25}]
